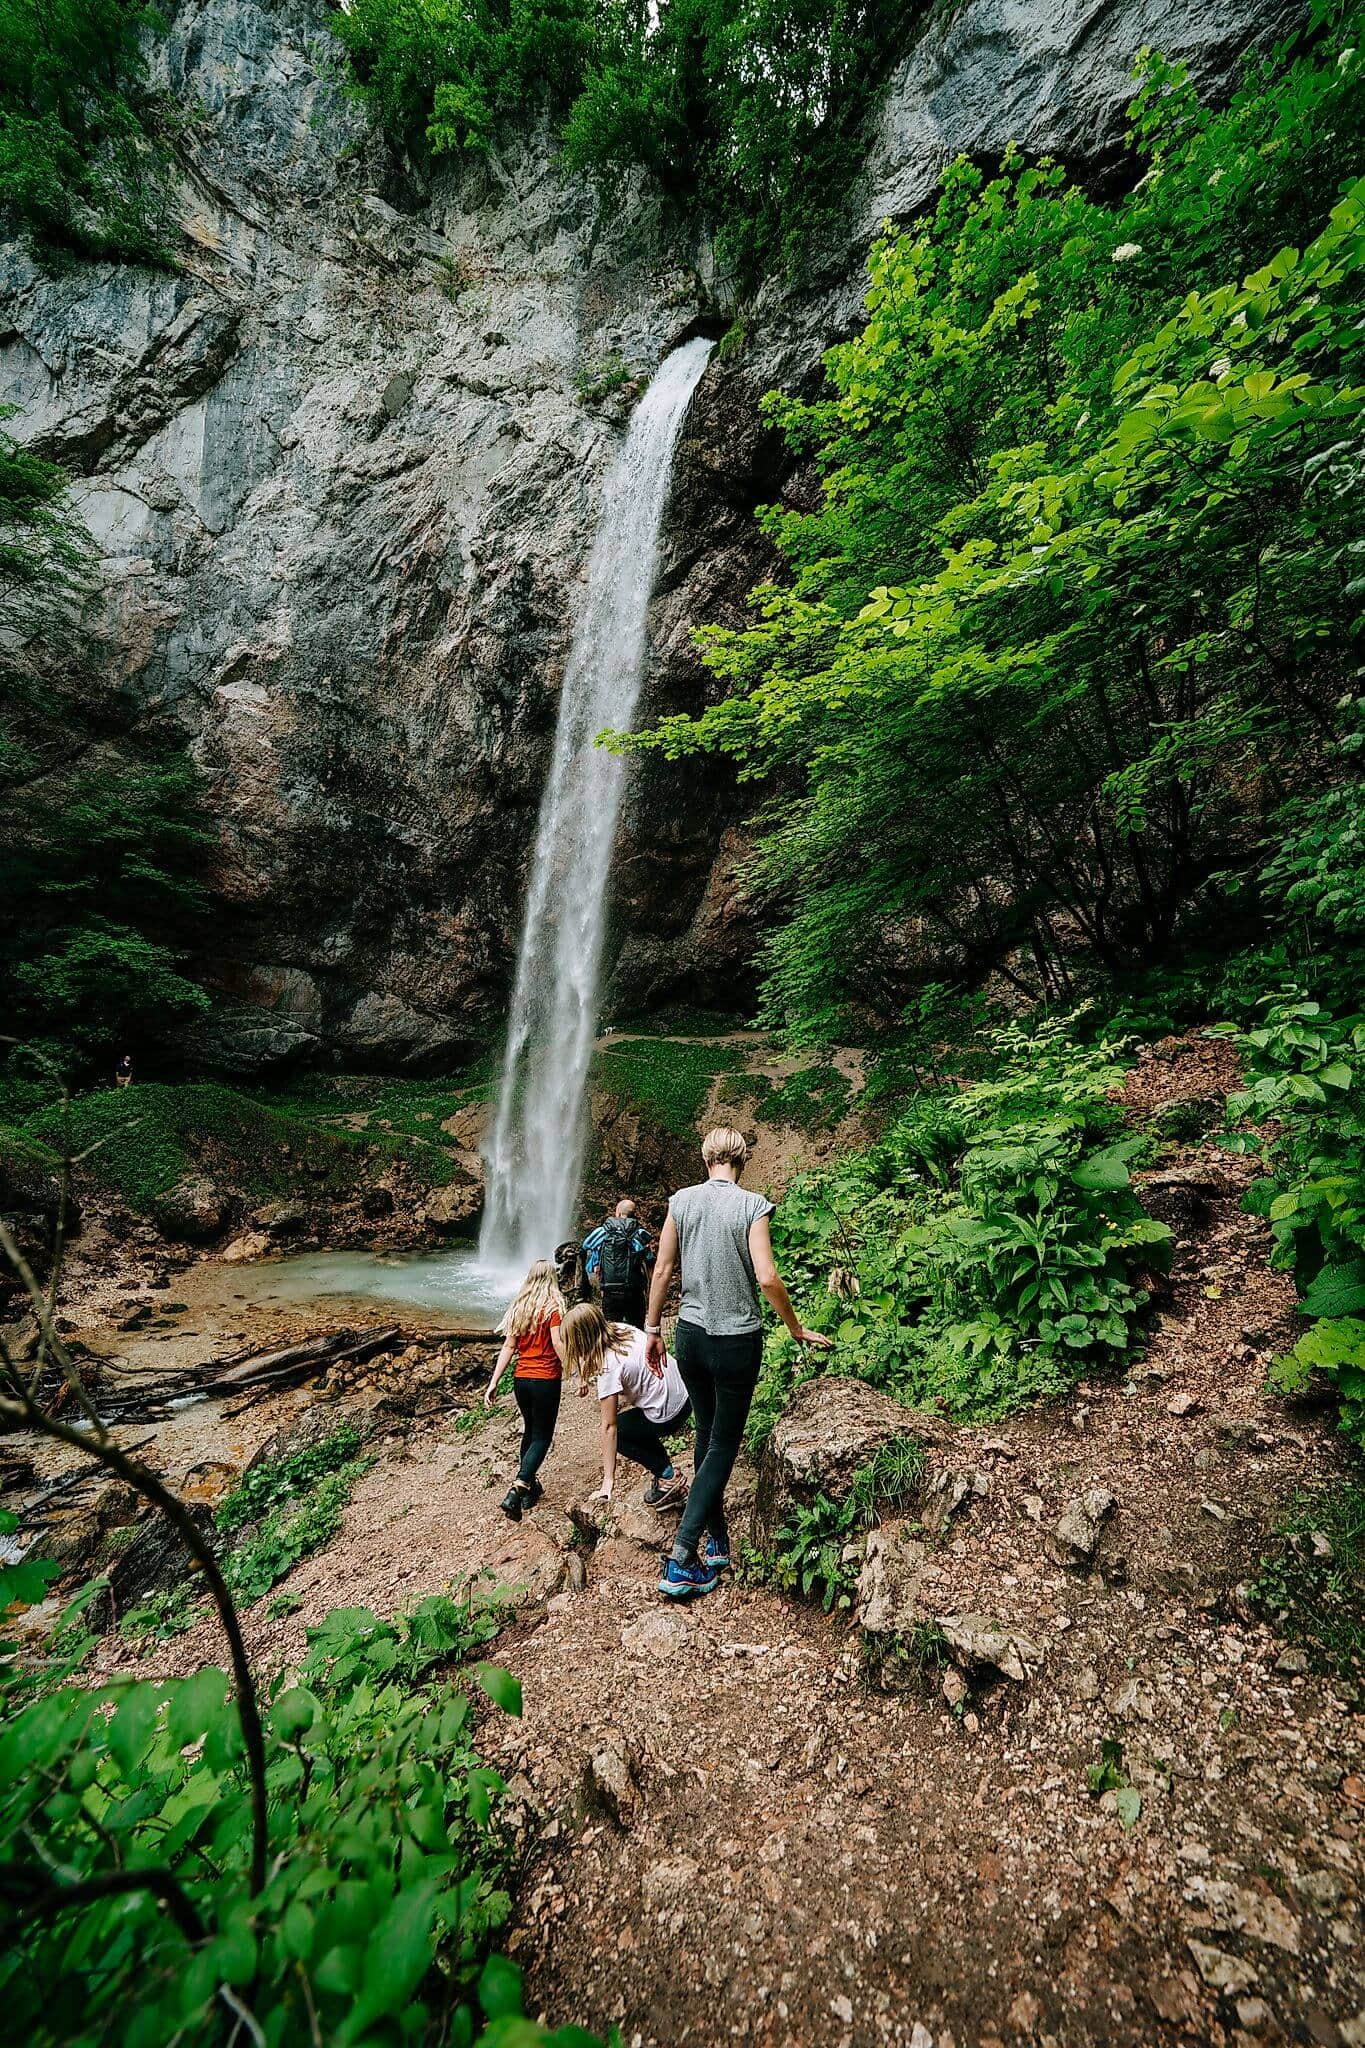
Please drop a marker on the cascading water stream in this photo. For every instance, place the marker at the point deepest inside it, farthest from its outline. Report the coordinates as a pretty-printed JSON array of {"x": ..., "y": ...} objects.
[{"x": 536, "y": 1156}]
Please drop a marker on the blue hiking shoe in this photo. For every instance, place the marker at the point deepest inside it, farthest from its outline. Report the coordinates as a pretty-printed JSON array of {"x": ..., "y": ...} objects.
[
  {"x": 681, "y": 1580},
  {"x": 717, "y": 1555}
]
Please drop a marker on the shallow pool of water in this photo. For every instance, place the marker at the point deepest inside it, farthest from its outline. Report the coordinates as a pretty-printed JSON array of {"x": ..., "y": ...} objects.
[{"x": 457, "y": 1287}]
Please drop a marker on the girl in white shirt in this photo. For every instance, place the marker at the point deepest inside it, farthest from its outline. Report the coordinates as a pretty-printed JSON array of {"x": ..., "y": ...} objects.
[{"x": 639, "y": 1406}]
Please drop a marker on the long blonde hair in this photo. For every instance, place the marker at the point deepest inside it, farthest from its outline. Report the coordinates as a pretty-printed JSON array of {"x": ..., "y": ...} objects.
[
  {"x": 535, "y": 1301},
  {"x": 588, "y": 1337}
]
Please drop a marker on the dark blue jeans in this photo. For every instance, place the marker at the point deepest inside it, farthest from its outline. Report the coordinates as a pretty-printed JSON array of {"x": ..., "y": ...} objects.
[{"x": 720, "y": 1374}]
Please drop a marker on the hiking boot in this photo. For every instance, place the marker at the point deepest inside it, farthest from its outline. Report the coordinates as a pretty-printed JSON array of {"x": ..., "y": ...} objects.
[
  {"x": 664, "y": 1493},
  {"x": 513, "y": 1503},
  {"x": 716, "y": 1555},
  {"x": 533, "y": 1493},
  {"x": 680, "y": 1581}
]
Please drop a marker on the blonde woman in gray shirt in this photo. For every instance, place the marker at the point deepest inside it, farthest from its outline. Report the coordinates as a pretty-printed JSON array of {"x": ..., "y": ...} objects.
[{"x": 718, "y": 1232}]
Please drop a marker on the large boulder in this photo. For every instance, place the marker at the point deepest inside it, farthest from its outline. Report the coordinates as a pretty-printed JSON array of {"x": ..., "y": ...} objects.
[
  {"x": 833, "y": 1428},
  {"x": 454, "y": 1210},
  {"x": 191, "y": 1212}
]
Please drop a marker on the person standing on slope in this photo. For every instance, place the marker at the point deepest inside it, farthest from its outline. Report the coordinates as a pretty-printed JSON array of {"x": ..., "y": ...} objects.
[
  {"x": 531, "y": 1335},
  {"x": 719, "y": 1233},
  {"x": 618, "y": 1256}
]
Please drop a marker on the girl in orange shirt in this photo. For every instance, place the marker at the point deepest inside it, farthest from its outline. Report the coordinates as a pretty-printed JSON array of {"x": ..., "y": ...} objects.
[{"x": 530, "y": 1330}]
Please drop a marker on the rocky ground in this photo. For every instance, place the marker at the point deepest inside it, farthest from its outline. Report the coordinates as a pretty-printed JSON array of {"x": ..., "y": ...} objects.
[{"x": 1104, "y": 1803}]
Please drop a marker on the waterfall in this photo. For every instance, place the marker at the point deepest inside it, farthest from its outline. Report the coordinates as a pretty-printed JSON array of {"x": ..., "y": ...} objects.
[{"x": 536, "y": 1158}]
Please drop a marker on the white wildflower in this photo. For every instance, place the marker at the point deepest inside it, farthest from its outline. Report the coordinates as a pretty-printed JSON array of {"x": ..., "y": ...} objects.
[{"x": 1126, "y": 251}]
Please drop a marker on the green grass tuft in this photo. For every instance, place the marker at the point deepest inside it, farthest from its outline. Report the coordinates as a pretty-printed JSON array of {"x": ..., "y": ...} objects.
[{"x": 668, "y": 1079}]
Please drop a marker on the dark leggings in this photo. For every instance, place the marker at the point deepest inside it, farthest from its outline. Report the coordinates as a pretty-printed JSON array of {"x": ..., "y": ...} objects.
[
  {"x": 538, "y": 1401},
  {"x": 720, "y": 1374},
  {"x": 643, "y": 1441}
]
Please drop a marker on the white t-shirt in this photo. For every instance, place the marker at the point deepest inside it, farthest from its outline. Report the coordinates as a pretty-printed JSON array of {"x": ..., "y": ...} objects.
[{"x": 627, "y": 1373}]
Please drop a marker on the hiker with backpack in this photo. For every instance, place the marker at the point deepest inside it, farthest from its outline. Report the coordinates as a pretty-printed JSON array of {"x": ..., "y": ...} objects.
[
  {"x": 718, "y": 1233},
  {"x": 618, "y": 1256}
]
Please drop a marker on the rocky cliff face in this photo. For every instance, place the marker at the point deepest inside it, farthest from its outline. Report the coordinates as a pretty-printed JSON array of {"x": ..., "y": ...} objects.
[{"x": 343, "y": 470}]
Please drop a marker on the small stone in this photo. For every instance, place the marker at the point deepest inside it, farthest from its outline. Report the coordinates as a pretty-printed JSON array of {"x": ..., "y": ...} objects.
[
  {"x": 1293, "y": 1663},
  {"x": 979, "y": 1643},
  {"x": 669, "y": 1878},
  {"x": 842, "y": 2008},
  {"x": 1184, "y": 1404},
  {"x": 1254, "y": 2013},
  {"x": 953, "y": 1686},
  {"x": 609, "y": 1781},
  {"x": 1024, "y": 2013},
  {"x": 252, "y": 1244},
  {"x": 1077, "y": 1534},
  {"x": 1220, "y": 1971}
]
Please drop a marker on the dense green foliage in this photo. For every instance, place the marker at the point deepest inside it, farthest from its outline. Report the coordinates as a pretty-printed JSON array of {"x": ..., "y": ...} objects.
[
  {"x": 742, "y": 115},
  {"x": 43, "y": 546},
  {"x": 154, "y": 1135},
  {"x": 80, "y": 168},
  {"x": 989, "y": 1248},
  {"x": 1305, "y": 1080},
  {"x": 297, "y": 1502},
  {"x": 1076, "y": 608},
  {"x": 125, "y": 1821}
]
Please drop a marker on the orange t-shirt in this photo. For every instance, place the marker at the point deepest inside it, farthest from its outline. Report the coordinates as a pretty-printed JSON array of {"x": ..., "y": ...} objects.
[{"x": 536, "y": 1356}]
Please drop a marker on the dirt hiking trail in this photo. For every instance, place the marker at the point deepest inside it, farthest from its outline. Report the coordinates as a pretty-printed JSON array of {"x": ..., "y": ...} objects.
[{"x": 733, "y": 1832}]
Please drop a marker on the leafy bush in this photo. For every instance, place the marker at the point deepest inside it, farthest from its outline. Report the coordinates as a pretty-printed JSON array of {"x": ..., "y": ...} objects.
[
  {"x": 125, "y": 1815},
  {"x": 1305, "y": 1080},
  {"x": 818, "y": 1549},
  {"x": 989, "y": 1248},
  {"x": 164, "y": 1615},
  {"x": 277, "y": 1480}
]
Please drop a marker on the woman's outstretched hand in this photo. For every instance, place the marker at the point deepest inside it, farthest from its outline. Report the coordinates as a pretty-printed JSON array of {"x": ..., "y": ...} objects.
[
  {"x": 602, "y": 1493},
  {"x": 656, "y": 1357},
  {"x": 816, "y": 1340},
  {"x": 488, "y": 1397}
]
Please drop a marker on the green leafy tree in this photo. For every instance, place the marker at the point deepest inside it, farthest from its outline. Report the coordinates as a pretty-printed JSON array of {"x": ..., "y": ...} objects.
[
  {"x": 80, "y": 166},
  {"x": 742, "y": 115},
  {"x": 1077, "y": 602}
]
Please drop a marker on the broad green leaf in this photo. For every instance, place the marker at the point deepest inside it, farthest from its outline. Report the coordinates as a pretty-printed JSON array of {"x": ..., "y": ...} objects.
[{"x": 501, "y": 1687}]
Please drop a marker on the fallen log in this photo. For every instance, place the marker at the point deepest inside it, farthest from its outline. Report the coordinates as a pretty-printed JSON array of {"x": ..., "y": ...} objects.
[{"x": 259, "y": 1373}]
